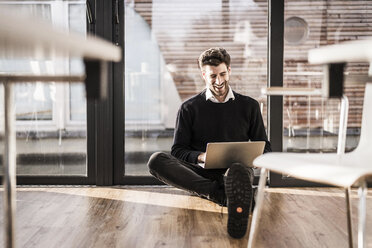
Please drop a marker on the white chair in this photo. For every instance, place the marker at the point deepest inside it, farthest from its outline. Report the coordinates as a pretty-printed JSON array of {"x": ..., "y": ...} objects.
[{"x": 341, "y": 169}]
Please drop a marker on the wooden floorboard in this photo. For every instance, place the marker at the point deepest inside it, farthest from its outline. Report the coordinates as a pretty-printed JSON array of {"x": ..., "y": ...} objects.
[{"x": 167, "y": 217}]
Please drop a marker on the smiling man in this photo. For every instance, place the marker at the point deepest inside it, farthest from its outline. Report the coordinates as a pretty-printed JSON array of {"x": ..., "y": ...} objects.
[
  {"x": 217, "y": 114},
  {"x": 217, "y": 79}
]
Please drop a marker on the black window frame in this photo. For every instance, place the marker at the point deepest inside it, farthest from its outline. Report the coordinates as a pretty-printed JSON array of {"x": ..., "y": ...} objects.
[
  {"x": 90, "y": 178},
  {"x": 106, "y": 119}
]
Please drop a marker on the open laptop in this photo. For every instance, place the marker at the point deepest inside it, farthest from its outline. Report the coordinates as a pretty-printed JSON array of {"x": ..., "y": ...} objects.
[{"x": 221, "y": 155}]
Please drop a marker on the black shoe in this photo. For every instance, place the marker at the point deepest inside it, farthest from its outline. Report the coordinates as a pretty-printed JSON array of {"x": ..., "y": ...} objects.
[{"x": 238, "y": 187}]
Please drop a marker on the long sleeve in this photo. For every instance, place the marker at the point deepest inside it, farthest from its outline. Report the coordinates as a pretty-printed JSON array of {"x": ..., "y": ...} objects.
[{"x": 182, "y": 137}]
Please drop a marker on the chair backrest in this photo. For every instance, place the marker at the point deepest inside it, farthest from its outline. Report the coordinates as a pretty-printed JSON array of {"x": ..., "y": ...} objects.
[{"x": 365, "y": 142}]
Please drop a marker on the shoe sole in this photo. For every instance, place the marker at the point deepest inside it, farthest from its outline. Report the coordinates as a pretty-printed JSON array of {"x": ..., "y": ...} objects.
[{"x": 239, "y": 194}]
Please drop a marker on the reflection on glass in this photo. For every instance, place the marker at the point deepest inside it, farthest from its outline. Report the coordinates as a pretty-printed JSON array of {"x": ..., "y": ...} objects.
[
  {"x": 78, "y": 103},
  {"x": 142, "y": 71},
  {"x": 312, "y": 127},
  {"x": 311, "y": 123},
  {"x": 50, "y": 117},
  {"x": 78, "y": 106},
  {"x": 34, "y": 8},
  {"x": 163, "y": 40},
  {"x": 34, "y": 101}
]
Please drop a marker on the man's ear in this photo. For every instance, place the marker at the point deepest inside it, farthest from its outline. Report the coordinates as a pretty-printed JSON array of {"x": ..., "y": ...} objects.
[
  {"x": 229, "y": 70},
  {"x": 203, "y": 74}
]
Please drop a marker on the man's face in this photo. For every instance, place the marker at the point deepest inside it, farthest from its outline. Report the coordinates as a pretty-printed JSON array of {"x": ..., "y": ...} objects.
[{"x": 217, "y": 79}]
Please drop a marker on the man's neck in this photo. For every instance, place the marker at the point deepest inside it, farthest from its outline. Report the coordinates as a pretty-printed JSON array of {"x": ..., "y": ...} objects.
[{"x": 221, "y": 98}]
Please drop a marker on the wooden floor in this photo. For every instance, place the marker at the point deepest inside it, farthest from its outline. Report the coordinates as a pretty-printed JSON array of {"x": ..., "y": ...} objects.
[{"x": 167, "y": 217}]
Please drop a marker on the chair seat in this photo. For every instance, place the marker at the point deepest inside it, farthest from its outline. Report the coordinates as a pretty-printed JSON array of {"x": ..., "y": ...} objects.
[{"x": 338, "y": 170}]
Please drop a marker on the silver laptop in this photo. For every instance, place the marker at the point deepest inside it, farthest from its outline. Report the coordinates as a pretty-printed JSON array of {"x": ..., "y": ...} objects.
[{"x": 221, "y": 155}]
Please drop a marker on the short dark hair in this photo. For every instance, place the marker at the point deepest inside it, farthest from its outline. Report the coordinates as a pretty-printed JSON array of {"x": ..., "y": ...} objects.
[{"x": 214, "y": 56}]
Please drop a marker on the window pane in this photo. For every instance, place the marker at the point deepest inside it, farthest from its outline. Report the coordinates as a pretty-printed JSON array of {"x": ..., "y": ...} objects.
[
  {"x": 33, "y": 101},
  {"x": 77, "y": 23},
  {"x": 48, "y": 141},
  {"x": 311, "y": 123},
  {"x": 78, "y": 105},
  {"x": 163, "y": 40}
]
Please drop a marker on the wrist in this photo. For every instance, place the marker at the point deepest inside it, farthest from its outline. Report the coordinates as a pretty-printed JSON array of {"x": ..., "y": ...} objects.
[{"x": 201, "y": 157}]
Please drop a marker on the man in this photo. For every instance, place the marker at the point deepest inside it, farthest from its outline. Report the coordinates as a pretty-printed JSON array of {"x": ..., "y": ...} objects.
[{"x": 217, "y": 114}]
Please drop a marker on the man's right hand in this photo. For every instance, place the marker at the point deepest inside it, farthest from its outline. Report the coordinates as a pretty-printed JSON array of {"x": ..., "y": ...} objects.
[{"x": 201, "y": 157}]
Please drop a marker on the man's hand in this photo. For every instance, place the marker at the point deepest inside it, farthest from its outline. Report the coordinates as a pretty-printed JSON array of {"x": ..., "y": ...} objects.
[{"x": 201, "y": 157}]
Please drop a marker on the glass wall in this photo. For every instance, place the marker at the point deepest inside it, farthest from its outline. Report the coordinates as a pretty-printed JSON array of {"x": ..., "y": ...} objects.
[
  {"x": 163, "y": 39},
  {"x": 50, "y": 117},
  {"x": 311, "y": 123}
]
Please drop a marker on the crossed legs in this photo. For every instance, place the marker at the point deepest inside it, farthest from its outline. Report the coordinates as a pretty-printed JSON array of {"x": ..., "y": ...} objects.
[
  {"x": 187, "y": 176},
  {"x": 235, "y": 191}
]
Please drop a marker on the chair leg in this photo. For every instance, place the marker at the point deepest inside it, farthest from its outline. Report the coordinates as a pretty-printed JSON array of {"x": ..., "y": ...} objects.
[
  {"x": 258, "y": 207},
  {"x": 362, "y": 192},
  {"x": 343, "y": 125},
  {"x": 348, "y": 212}
]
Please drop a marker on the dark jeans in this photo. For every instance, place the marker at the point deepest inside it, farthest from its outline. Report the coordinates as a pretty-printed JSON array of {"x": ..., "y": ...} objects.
[{"x": 191, "y": 177}]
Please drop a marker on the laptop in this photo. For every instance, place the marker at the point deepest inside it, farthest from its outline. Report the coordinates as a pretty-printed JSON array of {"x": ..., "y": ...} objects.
[{"x": 221, "y": 155}]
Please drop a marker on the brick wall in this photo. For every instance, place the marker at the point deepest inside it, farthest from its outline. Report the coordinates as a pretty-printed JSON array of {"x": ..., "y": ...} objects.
[{"x": 185, "y": 28}]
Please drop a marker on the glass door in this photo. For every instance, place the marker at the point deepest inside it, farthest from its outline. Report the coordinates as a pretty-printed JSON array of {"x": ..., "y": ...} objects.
[
  {"x": 163, "y": 40},
  {"x": 51, "y": 126},
  {"x": 310, "y": 124}
]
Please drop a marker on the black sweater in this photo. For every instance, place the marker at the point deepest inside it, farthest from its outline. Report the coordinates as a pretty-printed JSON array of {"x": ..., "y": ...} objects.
[{"x": 200, "y": 122}]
